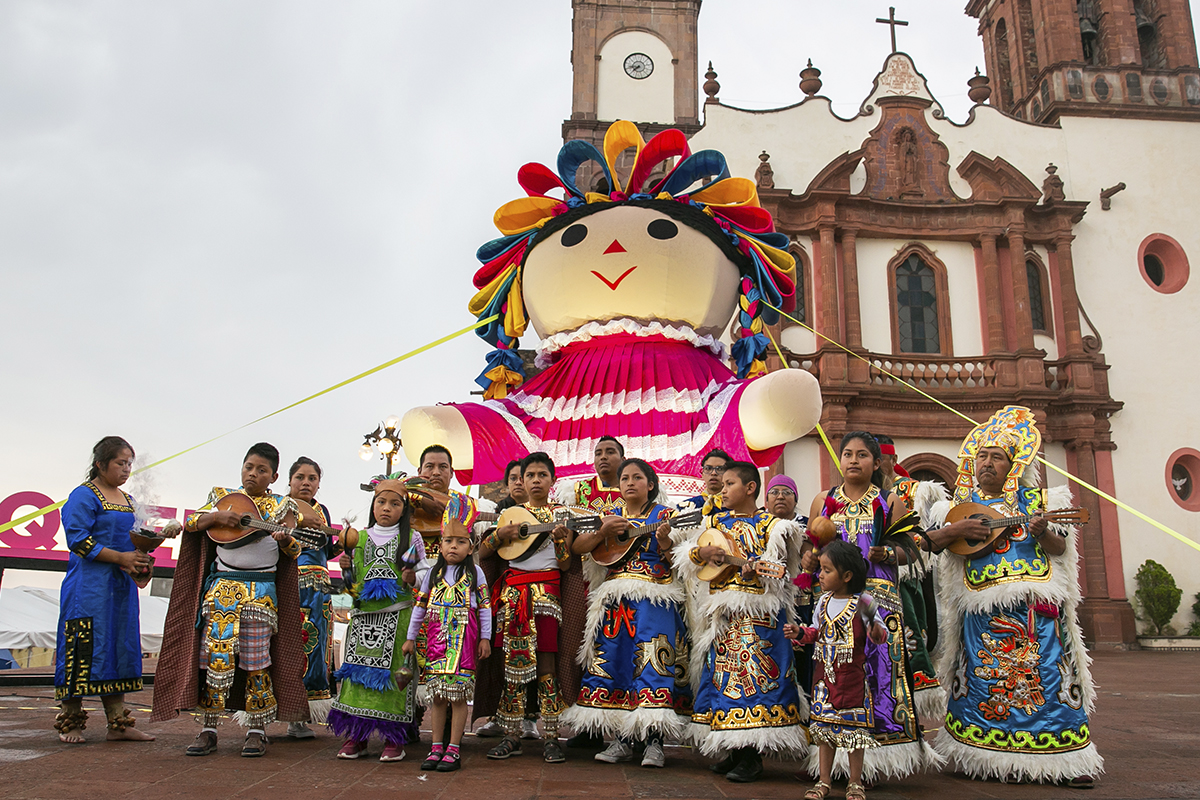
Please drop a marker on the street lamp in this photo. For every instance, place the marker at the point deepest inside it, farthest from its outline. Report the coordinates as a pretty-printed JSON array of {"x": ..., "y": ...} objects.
[{"x": 385, "y": 439}]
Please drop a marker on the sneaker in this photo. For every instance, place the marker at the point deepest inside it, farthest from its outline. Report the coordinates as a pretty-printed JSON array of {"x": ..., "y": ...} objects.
[
  {"x": 509, "y": 746},
  {"x": 529, "y": 729},
  {"x": 615, "y": 753},
  {"x": 300, "y": 730},
  {"x": 552, "y": 753},
  {"x": 490, "y": 730},
  {"x": 205, "y": 743},
  {"x": 352, "y": 749},
  {"x": 654, "y": 755},
  {"x": 392, "y": 752}
]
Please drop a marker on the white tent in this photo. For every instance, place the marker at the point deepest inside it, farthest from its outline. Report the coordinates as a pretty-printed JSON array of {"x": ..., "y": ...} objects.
[{"x": 29, "y": 618}]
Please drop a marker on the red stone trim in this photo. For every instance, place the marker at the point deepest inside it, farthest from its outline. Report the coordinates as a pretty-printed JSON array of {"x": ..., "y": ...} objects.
[
  {"x": 937, "y": 463},
  {"x": 1191, "y": 462},
  {"x": 1174, "y": 260},
  {"x": 941, "y": 288}
]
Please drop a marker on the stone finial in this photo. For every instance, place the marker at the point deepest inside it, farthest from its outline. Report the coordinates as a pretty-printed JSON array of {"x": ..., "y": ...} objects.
[
  {"x": 980, "y": 89},
  {"x": 810, "y": 79},
  {"x": 711, "y": 87},
  {"x": 1052, "y": 187},
  {"x": 764, "y": 176}
]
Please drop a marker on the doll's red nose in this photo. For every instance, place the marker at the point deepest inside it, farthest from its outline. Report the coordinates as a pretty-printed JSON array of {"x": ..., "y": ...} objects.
[{"x": 615, "y": 247}]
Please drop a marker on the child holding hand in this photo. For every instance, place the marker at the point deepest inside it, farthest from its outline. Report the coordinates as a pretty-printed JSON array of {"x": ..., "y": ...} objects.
[
  {"x": 453, "y": 603},
  {"x": 842, "y": 712}
]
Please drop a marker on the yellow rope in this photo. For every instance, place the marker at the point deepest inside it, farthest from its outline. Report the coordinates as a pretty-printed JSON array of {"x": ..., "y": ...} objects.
[
  {"x": 837, "y": 462},
  {"x": 55, "y": 506},
  {"x": 1099, "y": 492}
]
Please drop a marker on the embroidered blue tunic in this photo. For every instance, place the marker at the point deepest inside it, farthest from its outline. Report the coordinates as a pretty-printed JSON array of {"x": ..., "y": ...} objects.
[
  {"x": 639, "y": 658},
  {"x": 99, "y": 649},
  {"x": 1016, "y": 685},
  {"x": 316, "y": 607}
]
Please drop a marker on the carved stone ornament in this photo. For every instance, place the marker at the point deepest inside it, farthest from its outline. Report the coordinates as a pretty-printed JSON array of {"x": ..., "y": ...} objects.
[
  {"x": 764, "y": 176},
  {"x": 1052, "y": 187}
]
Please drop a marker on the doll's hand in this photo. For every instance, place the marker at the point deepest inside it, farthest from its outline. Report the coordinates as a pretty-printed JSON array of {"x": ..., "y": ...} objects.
[
  {"x": 877, "y": 634},
  {"x": 409, "y": 576},
  {"x": 409, "y": 647},
  {"x": 485, "y": 649}
]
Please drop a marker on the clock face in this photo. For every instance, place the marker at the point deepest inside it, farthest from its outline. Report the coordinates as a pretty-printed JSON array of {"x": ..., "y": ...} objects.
[{"x": 638, "y": 66}]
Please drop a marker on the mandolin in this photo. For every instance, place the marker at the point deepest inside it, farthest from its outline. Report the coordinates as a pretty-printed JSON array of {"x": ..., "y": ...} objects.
[
  {"x": 614, "y": 548},
  {"x": 253, "y": 527},
  {"x": 735, "y": 559},
  {"x": 999, "y": 526},
  {"x": 533, "y": 532}
]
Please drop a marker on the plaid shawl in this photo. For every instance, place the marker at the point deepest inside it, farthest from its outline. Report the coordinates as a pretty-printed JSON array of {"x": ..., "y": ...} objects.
[
  {"x": 489, "y": 675},
  {"x": 177, "y": 680}
]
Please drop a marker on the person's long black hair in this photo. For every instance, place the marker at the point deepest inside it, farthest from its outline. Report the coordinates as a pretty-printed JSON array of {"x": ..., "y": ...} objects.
[
  {"x": 873, "y": 446},
  {"x": 651, "y": 477},
  {"x": 104, "y": 452}
]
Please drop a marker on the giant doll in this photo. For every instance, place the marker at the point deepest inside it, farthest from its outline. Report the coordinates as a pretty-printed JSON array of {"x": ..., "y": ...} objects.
[{"x": 629, "y": 291}]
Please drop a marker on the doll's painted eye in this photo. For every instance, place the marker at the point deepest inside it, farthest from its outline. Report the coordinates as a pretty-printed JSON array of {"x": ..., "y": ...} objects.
[
  {"x": 662, "y": 229},
  {"x": 574, "y": 235}
]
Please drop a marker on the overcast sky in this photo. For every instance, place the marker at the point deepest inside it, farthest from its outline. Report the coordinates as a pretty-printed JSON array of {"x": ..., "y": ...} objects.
[{"x": 209, "y": 210}]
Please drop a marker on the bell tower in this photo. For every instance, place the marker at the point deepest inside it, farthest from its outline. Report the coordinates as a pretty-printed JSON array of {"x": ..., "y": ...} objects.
[
  {"x": 634, "y": 60},
  {"x": 1115, "y": 58}
]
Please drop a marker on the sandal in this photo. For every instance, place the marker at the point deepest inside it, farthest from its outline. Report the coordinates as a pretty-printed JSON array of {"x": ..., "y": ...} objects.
[
  {"x": 255, "y": 746},
  {"x": 205, "y": 744},
  {"x": 509, "y": 746},
  {"x": 855, "y": 791},
  {"x": 818, "y": 792}
]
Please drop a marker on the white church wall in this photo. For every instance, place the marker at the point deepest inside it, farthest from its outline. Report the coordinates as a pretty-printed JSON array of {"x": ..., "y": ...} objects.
[
  {"x": 618, "y": 96},
  {"x": 802, "y": 463}
]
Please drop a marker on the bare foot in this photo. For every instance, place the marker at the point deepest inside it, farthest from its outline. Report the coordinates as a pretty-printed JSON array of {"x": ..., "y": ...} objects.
[
  {"x": 72, "y": 737},
  {"x": 128, "y": 735}
]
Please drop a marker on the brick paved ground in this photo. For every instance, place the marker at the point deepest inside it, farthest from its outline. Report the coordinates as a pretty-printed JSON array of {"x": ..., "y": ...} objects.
[{"x": 1147, "y": 727}]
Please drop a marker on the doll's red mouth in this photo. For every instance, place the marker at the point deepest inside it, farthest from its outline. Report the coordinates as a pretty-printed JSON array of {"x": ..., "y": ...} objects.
[{"x": 614, "y": 284}]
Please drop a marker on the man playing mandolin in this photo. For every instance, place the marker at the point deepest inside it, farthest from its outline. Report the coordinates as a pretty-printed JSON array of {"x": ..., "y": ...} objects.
[
  {"x": 529, "y": 612},
  {"x": 1020, "y": 689},
  {"x": 246, "y": 592}
]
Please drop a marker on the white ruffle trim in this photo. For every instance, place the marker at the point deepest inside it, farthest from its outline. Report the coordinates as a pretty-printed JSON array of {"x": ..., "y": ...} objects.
[
  {"x": 782, "y": 742},
  {"x": 318, "y": 711},
  {"x": 549, "y": 347},
  {"x": 893, "y": 761},
  {"x": 636, "y": 724},
  {"x": 636, "y": 401},
  {"x": 978, "y": 763},
  {"x": 931, "y": 707}
]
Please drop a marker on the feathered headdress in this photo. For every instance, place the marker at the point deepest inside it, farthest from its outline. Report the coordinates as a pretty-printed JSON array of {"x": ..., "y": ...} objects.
[
  {"x": 768, "y": 270},
  {"x": 1013, "y": 429},
  {"x": 460, "y": 514}
]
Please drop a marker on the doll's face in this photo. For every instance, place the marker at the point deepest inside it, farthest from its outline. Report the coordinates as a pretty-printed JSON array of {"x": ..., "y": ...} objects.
[{"x": 629, "y": 262}]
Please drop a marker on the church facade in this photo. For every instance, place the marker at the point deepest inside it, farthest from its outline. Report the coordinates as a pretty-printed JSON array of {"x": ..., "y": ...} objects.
[{"x": 1035, "y": 254}]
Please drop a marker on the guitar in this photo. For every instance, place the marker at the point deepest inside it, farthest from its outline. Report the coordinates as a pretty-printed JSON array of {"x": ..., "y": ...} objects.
[
  {"x": 999, "y": 526},
  {"x": 533, "y": 532},
  {"x": 735, "y": 559},
  {"x": 253, "y": 527},
  {"x": 614, "y": 548}
]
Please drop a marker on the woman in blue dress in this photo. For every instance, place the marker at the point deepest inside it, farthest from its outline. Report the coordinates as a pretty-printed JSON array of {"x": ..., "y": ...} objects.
[
  {"x": 635, "y": 649},
  {"x": 99, "y": 649}
]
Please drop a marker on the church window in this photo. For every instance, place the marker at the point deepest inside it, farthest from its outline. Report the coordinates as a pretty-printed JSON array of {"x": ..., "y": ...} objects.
[
  {"x": 1101, "y": 88},
  {"x": 1074, "y": 85},
  {"x": 1149, "y": 44},
  {"x": 1037, "y": 297},
  {"x": 1159, "y": 90},
  {"x": 1089, "y": 30},
  {"x": 1163, "y": 263},
  {"x": 1183, "y": 470},
  {"x": 1133, "y": 87},
  {"x": 801, "y": 312},
  {"x": 916, "y": 306},
  {"x": 1191, "y": 89},
  {"x": 1045, "y": 90},
  {"x": 1028, "y": 39},
  {"x": 1004, "y": 65}
]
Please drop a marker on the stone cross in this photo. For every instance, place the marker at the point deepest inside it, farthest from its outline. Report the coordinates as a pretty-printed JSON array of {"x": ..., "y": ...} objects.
[{"x": 892, "y": 22}]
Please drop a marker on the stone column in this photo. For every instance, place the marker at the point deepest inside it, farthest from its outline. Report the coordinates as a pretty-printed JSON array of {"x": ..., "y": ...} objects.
[
  {"x": 1031, "y": 370},
  {"x": 827, "y": 319},
  {"x": 858, "y": 369},
  {"x": 996, "y": 340},
  {"x": 1080, "y": 365}
]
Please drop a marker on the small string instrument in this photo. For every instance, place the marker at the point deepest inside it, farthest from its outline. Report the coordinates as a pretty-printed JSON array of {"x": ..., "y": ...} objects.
[
  {"x": 614, "y": 548},
  {"x": 735, "y": 559},
  {"x": 428, "y": 506},
  {"x": 1000, "y": 527},
  {"x": 533, "y": 532},
  {"x": 253, "y": 527}
]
